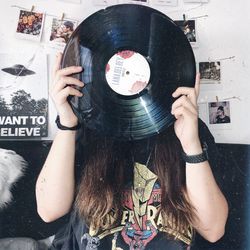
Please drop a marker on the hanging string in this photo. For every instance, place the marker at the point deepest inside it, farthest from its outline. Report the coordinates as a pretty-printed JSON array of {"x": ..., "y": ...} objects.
[
  {"x": 47, "y": 14},
  {"x": 198, "y": 17},
  {"x": 188, "y": 10}
]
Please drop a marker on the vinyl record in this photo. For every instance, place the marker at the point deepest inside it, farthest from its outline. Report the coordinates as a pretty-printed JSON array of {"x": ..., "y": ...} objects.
[{"x": 134, "y": 57}]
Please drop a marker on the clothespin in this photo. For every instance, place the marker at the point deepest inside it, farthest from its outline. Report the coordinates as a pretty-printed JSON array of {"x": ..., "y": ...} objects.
[
  {"x": 62, "y": 17},
  {"x": 32, "y": 8},
  {"x": 217, "y": 99},
  {"x": 184, "y": 18}
]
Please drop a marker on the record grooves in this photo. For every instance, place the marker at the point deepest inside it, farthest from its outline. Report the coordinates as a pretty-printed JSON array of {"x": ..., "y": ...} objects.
[{"x": 133, "y": 57}]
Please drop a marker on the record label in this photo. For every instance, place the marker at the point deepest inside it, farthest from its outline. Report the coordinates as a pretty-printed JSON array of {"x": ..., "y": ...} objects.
[{"x": 127, "y": 72}]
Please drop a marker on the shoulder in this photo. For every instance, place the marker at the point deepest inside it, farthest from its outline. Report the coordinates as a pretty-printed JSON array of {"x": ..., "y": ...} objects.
[
  {"x": 215, "y": 157},
  {"x": 208, "y": 142},
  {"x": 204, "y": 132},
  {"x": 70, "y": 236}
]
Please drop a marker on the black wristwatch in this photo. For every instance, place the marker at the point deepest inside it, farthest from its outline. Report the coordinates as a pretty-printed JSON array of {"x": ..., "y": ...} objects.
[
  {"x": 196, "y": 158},
  {"x": 62, "y": 127}
]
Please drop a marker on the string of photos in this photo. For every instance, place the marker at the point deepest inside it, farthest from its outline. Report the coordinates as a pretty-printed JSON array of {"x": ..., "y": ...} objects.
[{"x": 55, "y": 31}]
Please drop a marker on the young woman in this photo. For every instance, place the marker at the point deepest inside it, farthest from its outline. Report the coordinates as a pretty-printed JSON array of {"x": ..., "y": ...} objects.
[{"x": 148, "y": 194}]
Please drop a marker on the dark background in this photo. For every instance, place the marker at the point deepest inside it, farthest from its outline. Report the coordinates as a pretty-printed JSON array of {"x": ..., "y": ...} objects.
[{"x": 20, "y": 218}]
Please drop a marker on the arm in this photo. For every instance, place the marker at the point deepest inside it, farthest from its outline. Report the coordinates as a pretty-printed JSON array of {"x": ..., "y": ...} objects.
[
  {"x": 210, "y": 205},
  {"x": 55, "y": 185}
]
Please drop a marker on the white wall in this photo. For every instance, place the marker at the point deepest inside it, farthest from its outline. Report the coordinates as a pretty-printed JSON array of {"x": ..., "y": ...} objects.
[{"x": 222, "y": 30}]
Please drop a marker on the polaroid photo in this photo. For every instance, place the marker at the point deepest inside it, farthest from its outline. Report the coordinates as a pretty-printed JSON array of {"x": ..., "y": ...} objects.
[
  {"x": 30, "y": 25},
  {"x": 219, "y": 115},
  {"x": 104, "y": 2},
  {"x": 195, "y": 1},
  {"x": 143, "y": 2},
  {"x": 166, "y": 2},
  {"x": 210, "y": 72},
  {"x": 189, "y": 29},
  {"x": 61, "y": 31}
]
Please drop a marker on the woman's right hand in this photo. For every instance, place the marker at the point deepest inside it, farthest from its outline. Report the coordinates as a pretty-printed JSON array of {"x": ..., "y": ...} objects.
[{"x": 62, "y": 87}]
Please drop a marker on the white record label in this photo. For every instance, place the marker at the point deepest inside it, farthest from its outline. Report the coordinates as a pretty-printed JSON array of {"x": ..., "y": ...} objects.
[{"x": 127, "y": 72}]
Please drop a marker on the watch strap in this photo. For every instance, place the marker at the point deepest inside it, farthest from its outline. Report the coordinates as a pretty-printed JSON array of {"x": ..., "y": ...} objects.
[
  {"x": 62, "y": 127},
  {"x": 195, "y": 158}
]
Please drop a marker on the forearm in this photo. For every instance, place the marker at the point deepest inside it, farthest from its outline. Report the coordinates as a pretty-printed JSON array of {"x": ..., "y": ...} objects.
[
  {"x": 209, "y": 202},
  {"x": 210, "y": 205},
  {"x": 55, "y": 184}
]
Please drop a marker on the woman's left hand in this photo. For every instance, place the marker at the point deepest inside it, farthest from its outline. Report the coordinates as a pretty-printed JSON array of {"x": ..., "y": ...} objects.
[{"x": 185, "y": 111}]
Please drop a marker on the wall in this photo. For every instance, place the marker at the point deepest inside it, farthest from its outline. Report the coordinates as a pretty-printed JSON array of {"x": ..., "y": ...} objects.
[{"x": 221, "y": 28}]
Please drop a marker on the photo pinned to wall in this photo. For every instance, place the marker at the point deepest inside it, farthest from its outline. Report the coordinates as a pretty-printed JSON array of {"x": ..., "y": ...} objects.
[
  {"x": 61, "y": 31},
  {"x": 23, "y": 96},
  {"x": 30, "y": 25},
  {"x": 166, "y": 2},
  {"x": 189, "y": 29},
  {"x": 143, "y": 2},
  {"x": 219, "y": 115},
  {"x": 104, "y": 2},
  {"x": 210, "y": 72}
]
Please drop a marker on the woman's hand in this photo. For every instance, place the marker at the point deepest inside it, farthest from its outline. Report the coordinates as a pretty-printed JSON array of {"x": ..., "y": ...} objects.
[
  {"x": 185, "y": 111},
  {"x": 62, "y": 87}
]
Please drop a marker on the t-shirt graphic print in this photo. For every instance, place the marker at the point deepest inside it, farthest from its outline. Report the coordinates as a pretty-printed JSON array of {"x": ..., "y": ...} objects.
[{"x": 141, "y": 226}]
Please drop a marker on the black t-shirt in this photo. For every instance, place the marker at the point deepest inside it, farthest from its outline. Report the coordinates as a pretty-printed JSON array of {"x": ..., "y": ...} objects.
[
  {"x": 141, "y": 226},
  {"x": 225, "y": 119}
]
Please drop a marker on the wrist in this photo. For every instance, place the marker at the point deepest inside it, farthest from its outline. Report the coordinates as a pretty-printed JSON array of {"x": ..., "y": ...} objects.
[
  {"x": 68, "y": 122},
  {"x": 62, "y": 126},
  {"x": 196, "y": 154},
  {"x": 197, "y": 158},
  {"x": 67, "y": 116},
  {"x": 193, "y": 148}
]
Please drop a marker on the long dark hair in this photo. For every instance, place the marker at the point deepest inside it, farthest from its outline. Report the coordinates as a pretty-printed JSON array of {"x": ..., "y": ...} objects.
[{"x": 108, "y": 167}]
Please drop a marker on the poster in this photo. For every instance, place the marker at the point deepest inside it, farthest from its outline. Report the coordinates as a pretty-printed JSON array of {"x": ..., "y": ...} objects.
[{"x": 23, "y": 96}]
